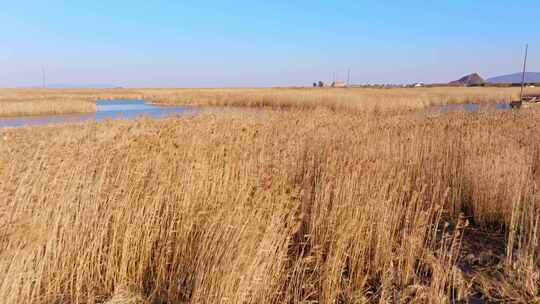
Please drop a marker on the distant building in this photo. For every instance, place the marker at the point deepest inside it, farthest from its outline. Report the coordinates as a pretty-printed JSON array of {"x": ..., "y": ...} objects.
[
  {"x": 339, "y": 84},
  {"x": 418, "y": 85}
]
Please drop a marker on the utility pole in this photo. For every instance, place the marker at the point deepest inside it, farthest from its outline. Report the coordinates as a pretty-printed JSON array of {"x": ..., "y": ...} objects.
[
  {"x": 524, "y": 70},
  {"x": 44, "y": 83}
]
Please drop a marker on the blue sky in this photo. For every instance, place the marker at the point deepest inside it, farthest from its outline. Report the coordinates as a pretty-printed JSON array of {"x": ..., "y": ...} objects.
[{"x": 247, "y": 43}]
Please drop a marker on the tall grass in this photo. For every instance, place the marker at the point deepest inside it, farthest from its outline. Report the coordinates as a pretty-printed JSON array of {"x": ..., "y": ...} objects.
[
  {"x": 44, "y": 102},
  {"x": 272, "y": 207},
  {"x": 49, "y": 106},
  {"x": 335, "y": 99},
  {"x": 25, "y": 102}
]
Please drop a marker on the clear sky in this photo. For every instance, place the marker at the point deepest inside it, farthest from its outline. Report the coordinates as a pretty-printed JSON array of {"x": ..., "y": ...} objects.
[{"x": 255, "y": 43}]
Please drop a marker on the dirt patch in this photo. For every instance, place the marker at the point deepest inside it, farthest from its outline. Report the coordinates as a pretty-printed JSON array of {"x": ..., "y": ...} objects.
[{"x": 481, "y": 249}]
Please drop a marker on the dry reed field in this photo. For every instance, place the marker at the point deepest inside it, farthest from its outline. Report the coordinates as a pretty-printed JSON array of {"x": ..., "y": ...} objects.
[
  {"x": 335, "y": 99},
  {"x": 305, "y": 205},
  {"x": 25, "y": 102},
  {"x": 15, "y": 102}
]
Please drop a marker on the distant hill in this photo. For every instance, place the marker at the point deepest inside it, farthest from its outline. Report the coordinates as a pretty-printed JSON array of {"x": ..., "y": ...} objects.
[
  {"x": 82, "y": 86},
  {"x": 530, "y": 77},
  {"x": 469, "y": 80}
]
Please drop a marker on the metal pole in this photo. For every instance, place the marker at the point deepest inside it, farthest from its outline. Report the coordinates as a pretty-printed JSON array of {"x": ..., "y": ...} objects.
[
  {"x": 524, "y": 70},
  {"x": 43, "y": 76}
]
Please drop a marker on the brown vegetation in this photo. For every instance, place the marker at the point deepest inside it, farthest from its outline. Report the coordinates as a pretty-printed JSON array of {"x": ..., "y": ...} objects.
[
  {"x": 19, "y": 102},
  {"x": 335, "y": 99},
  {"x": 42, "y": 102},
  {"x": 298, "y": 206}
]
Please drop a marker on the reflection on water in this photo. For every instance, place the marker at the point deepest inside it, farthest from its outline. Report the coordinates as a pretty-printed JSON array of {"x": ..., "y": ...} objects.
[{"x": 106, "y": 109}]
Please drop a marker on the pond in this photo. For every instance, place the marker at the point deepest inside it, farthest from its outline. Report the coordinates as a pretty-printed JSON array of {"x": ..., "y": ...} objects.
[
  {"x": 132, "y": 109},
  {"x": 106, "y": 110},
  {"x": 472, "y": 107}
]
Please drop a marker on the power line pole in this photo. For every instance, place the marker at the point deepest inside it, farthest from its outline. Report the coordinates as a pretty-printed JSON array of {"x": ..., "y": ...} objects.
[
  {"x": 524, "y": 70},
  {"x": 44, "y": 83}
]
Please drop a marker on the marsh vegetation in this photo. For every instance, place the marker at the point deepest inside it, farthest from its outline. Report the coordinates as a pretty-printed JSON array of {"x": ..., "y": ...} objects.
[
  {"x": 14, "y": 102},
  {"x": 318, "y": 199}
]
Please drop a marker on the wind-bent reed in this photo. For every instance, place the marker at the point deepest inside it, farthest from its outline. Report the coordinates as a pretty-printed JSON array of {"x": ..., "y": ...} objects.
[{"x": 271, "y": 207}]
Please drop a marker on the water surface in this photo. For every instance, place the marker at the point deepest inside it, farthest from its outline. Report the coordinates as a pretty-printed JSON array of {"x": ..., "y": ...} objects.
[
  {"x": 106, "y": 110},
  {"x": 472, "y": 107},
  {"x": 132, "y": 109}
]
